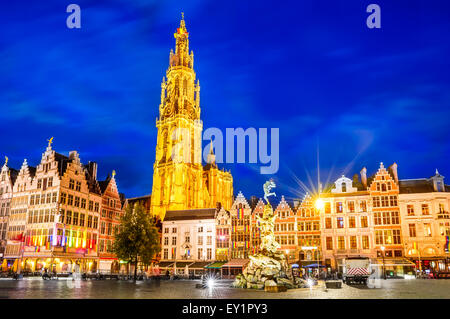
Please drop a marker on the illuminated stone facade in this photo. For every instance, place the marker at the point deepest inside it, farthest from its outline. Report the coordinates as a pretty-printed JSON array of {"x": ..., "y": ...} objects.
[
  {"x": 7, "y": 177},
  {"x": 111, "y": 212},
  {"x": 285, "y": 230},
  {"x": 424, "y": 209},
  {"x": 223, "y": 235},
  {"x": 240, "y": 228},
  {"x": 55, "y": 215},
  {"x": 346, "y": 224},
  {"x": 18, "y": 214},
  {"x": 180, "y": 181}
]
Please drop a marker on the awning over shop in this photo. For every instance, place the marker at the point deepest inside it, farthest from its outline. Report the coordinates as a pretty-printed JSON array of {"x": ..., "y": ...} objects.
[
  {"x": 166, "y": 264},
  {"x": 314, "y": 266},
  {"x": 215, "y": 265},
  {"x": 182, "y": 264},
  {"x": 236, "y": 263},
  {"x": 306, "y": 263},
  {"x": 199, "y": 265},
  {"x": 388, "y": 262}
]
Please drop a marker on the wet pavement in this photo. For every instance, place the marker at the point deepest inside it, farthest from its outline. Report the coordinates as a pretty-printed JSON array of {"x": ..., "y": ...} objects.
[{"x": 184, "y": 289}]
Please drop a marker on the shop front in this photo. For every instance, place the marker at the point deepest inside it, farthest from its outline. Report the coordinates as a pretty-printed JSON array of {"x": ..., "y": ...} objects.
[
  {"x": 214, "y": 268},
  {"x": 233, "y": 268},
  {"x": 395, "y": 267},
  {"x": 432, "y": 265}
]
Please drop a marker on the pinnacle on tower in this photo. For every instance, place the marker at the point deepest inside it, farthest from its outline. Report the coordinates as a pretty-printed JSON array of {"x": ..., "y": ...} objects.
[{"x": 211, "y": 156}]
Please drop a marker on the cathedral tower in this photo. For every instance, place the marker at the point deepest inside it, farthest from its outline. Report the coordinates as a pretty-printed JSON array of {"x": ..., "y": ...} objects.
[{"x": 179, "y": 181}]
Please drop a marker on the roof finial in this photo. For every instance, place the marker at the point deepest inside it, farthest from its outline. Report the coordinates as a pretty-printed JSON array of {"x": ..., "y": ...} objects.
[
  {"x": 113, "y": 173},
  {"x": 50, "y": 141},
  {"x": 182, "y": 23},
  {"x": 211, "y": 147},
  {"x": 437, "y": 173},
  {"x": 6, "y": 160}
]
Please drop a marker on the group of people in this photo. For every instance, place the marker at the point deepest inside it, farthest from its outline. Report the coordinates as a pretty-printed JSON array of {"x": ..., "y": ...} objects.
[{"x": 47, "y": 275}]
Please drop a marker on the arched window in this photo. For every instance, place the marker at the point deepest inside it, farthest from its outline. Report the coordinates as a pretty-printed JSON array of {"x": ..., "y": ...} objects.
[{"x": 344, "y": 187}]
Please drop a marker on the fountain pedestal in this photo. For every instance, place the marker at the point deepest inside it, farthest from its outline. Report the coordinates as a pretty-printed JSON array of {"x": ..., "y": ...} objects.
[{"x": 268, "y": 269}]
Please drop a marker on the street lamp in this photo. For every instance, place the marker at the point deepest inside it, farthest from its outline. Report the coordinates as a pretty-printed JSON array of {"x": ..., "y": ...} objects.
[
  {"x": 319, "y": 204},
  {"x": 382, "y": 255}
]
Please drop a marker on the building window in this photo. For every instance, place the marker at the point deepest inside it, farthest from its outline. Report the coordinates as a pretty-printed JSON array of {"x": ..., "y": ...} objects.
[
  {"x": 308, "y": 226},
  {"x": 386, "y": 218},
  {"x": 351, "y": 222},
  {"x": 291, "y": 240},
  {"x": 425, "y": 209},
  {"x": 200, "y": 229},
  {"x": 209, "y": 240},
  {"x": 339, "y": 207},
  {"x": 364, "y": 222},
  {"x": 327, "y": 208},
  {"x": 395, "y": 218},
  {"x": 376, "y": 202},
  {"x": 316, "y": 226},
  {"x": 379, "y": 237},
  {"x": 365, "y": 242},
  {"x": 340, "y": 222},
  {"x": 75, "y": 218},
  {"x": 200, "y": 240},
  {"x": 166, "y": 241},
  {"x": 329, "y": 243},
  {"x": 427, "y": 230},
  {"x": 187, "y": 239},
  {"x": 200, "y": 253},
  {"x": 328, "y": 223},
  {"x": 353, "y": 242},
  {"x": 412, "y": 230},
  {"x": 410, "y": 209},
  {"x": 71, "y": 184},
  {"x": 166, "y": 230},
  {"x": 397, "y": 236},
  {"x": 363, "y": 206},
  {"x": 174, "y": 241},
  {"x": 62, "y": 216},
  {"x": 70, "y": 200},
  {"x": 174, "y": 230},
  {"x": 341, "y": 242},
  {"x": 209, "y": 253},
  {"x": 393, "y": 201},
  {"x": 351, "y": 207},
  {"x": 69, "y": 217},
  {"x": 78, "y": 187}
]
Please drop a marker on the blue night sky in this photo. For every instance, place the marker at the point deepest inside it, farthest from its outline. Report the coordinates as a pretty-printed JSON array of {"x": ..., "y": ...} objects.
[{"x": 311, "y": 68}]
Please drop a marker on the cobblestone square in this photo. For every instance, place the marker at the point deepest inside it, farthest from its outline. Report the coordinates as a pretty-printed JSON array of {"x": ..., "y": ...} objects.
[{"x": 184, "y": 289}]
